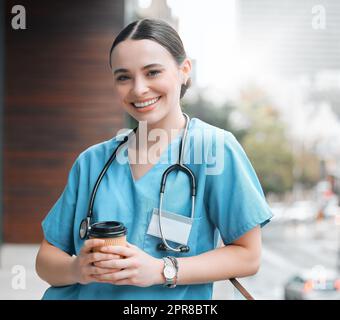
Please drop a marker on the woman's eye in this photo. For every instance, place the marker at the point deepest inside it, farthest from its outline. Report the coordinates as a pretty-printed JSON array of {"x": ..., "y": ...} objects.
[
  {"x": 153, "y": 73},
  {"x": 122, "y": 78}
]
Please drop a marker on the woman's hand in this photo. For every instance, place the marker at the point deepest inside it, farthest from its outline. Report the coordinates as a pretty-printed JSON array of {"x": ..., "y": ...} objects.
[
  {"x": 84, "y": 270},
  {"x": 137, "y": 267}
]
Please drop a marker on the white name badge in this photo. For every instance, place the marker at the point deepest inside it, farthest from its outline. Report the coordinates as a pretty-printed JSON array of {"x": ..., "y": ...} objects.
[{"x": 175, "y": 227}]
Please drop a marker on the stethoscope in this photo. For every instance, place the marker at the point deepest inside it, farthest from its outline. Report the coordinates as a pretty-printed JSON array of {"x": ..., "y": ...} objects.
[{"x": 85, "y": 225}]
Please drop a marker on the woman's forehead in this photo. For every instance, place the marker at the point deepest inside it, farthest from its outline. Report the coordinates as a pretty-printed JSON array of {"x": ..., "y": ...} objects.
[{"x": 139, "y": 53}]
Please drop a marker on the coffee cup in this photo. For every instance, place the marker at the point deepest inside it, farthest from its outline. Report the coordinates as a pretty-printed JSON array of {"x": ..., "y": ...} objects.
[{"x": 113, "y": 232}]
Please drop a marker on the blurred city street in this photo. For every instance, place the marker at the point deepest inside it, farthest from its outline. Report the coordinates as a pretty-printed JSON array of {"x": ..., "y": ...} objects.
[{"x": 288, "y": 248}]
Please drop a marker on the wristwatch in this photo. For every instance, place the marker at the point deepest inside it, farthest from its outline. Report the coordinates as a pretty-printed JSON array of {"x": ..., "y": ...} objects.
[{"x": 169, "y": 272}]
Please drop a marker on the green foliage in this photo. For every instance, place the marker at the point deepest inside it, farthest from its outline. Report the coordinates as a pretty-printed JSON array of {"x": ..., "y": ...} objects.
[
  {"x": 271, "y": 158},
  {"x": 306, "y": 168}
]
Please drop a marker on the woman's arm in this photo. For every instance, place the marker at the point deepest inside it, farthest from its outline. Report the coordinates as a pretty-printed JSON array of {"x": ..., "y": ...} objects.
[
  {"x": 58, "y": 268},
  {"x": 54, "y": 265},
  {"x": 240, "y": 259}
]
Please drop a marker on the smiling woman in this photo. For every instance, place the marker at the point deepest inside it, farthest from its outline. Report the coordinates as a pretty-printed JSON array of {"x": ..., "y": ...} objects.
[
  {"x": 151, "y": 71},
  {"x": 179, "y": 250}
]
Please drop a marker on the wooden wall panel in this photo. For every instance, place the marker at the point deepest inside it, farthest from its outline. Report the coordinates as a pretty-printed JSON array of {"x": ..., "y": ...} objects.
[{"x": 58, "y": 101}]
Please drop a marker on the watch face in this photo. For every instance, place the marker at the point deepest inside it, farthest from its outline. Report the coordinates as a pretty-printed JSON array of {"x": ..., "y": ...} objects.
[{"x": 169, "y": 272}]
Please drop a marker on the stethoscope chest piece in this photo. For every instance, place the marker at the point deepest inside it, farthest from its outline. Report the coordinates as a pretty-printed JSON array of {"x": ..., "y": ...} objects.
[{"x": 84, "y": 229}]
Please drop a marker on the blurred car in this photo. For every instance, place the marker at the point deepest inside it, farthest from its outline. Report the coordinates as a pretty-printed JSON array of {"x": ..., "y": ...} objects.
[
  {"x": 301, "y": 211},
  {"x": 316, "y": 284}
]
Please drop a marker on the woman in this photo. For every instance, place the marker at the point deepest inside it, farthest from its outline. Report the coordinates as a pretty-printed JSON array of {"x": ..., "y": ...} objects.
[{"x": 151, "y": 74}]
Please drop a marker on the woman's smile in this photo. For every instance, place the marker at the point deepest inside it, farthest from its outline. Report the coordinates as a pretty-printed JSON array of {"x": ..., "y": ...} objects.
[{"x": 146, "y": 105}]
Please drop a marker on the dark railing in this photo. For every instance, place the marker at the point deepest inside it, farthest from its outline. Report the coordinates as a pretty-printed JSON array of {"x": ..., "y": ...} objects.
[{"x": 241, "y": 289}]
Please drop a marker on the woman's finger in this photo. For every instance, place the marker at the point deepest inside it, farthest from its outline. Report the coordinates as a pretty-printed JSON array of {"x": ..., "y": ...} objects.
[
  {"x": 96, "y": 271},
  {"x": 116, "y": 263},
  {"x": 97, "y": 256},
  {"x": 116, "y": 276},
  {"x": 120, "y": 250},
  {"x": 90, "y": 244},
  {"x": 130, "y": 245}
]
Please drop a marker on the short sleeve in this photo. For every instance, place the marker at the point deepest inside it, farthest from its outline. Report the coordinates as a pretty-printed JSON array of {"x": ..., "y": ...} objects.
[
  {"x": 58, "y": 225},
  {"x": 234, "y": 198}
]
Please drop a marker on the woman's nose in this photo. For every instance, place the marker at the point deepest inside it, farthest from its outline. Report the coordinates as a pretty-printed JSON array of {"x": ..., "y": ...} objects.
[{"x": 140, "y": 87}]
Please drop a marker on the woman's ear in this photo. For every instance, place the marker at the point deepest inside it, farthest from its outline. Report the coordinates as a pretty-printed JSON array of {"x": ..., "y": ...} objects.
[{"x": 185, "y": 69}]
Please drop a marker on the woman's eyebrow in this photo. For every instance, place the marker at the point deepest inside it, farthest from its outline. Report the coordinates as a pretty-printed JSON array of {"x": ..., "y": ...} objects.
[{"x": 152, "y": 65}]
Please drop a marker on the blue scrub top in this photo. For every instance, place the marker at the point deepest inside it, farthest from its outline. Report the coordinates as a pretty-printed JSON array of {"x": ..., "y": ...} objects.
[{"x": 229, "y": 202}]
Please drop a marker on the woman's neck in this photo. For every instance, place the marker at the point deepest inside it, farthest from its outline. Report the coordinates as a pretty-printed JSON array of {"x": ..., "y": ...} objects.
[{"x": 166, "y": 129}]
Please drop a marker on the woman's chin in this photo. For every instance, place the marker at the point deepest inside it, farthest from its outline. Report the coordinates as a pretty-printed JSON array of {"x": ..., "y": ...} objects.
[
  {"x": 149, "y": 116},
  {"x": 151, "y": 119}
]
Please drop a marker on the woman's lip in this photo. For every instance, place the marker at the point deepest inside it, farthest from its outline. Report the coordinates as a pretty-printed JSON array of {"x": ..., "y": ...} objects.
[
  {"x": 145, "y": 100},
  {"x": 148, "y": 108}
]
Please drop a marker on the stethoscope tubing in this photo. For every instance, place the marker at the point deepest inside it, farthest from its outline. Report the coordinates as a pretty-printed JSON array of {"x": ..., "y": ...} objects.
[{"x": 180, "y": 167}]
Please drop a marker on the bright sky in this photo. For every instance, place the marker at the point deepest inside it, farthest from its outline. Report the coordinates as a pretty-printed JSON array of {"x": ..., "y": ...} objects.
[{"x": 208, "y": 31}]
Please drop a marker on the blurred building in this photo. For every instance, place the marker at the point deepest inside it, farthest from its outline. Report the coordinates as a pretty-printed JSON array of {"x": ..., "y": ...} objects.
[
  {"x": 58, "y": 101},
  {"x": 157, "y": 9}
]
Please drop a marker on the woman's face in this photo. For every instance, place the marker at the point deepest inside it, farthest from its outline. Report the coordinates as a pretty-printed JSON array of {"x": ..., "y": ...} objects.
[{"x": 147, "y": 79}]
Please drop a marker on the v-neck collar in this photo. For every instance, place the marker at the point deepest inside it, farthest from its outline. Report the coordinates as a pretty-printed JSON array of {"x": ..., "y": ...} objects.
[{"x": 166, "y": 152}]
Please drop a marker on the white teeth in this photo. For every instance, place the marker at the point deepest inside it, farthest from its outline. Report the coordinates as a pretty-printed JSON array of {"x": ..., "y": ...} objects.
[{"x": 146, "y": 103}]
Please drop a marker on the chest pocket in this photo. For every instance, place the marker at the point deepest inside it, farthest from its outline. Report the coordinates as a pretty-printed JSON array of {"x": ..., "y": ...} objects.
[
  {"x": 176, "y": 229},
  {"x": 177, "y": 225}
]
